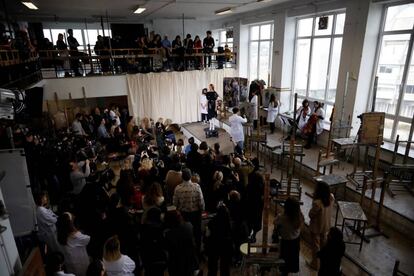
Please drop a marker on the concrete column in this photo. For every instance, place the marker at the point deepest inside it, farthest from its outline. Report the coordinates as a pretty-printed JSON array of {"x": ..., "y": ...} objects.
[
  {"x": 359, "y": 43},
  {"x": 282, "y": 60}
]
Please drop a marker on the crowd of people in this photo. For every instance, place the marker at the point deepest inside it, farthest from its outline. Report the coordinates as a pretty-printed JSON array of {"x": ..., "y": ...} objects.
[
  {"x": 171, "y": 53},
  {"x": 134, "y": 198}
]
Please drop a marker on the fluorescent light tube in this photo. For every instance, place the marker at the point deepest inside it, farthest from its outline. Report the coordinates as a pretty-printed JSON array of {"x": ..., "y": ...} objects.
[
  {"x": 224, "y": 11},
  {"x": 140, "y": 10},
  {"x": 30, "y": 5}
]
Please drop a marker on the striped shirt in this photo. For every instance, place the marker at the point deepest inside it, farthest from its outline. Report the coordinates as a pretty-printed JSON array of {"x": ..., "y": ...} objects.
[{"x": 188, "y": 197}]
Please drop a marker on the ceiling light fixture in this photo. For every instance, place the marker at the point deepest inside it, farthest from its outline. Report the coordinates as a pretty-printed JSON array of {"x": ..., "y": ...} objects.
[
  {"x": 223, "y": 11},
  {"x": 139, "y": 10},
  {"x": 30, "y": 5}
]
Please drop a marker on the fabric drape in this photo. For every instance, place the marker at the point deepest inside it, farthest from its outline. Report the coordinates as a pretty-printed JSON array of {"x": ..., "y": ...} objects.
[{"x": 172, "y": 95}]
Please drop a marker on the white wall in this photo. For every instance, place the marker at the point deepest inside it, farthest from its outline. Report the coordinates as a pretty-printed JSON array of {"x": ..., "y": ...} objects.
[
  {"x": 174, "y": 27},
  {"x": 100, "y": 86}
]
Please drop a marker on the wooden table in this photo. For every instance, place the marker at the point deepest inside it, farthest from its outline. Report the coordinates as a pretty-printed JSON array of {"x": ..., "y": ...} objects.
[
  {"x": 353, "y": 212},
  {"x": 333, "y": 181}
]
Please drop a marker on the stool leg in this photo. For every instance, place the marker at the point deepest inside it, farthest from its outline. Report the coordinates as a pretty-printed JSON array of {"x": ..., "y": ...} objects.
[
  {"x": 363, "y": 235},
  {"x": 336, "y": 217}
]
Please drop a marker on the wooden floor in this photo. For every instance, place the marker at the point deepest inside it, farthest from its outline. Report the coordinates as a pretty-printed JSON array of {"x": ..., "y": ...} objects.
[{"x": 378, "y": 256}]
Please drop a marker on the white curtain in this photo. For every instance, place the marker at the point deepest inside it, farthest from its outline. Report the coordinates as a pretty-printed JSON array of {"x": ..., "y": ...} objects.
[{"x": 172, "y": 95}]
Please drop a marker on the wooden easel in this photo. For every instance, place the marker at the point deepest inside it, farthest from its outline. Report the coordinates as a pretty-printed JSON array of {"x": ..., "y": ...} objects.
[{"x": 264, "y": 258}]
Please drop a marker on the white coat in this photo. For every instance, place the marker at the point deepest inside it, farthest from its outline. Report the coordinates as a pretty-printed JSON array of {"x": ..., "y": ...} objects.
[
  {"x": 319, "y": 124},
  {"x": 254, "y": 113},
  {"x": 272, "y": 112},
  {"x": 203, "y": 104},
  {"x": 236, "y": 127}
]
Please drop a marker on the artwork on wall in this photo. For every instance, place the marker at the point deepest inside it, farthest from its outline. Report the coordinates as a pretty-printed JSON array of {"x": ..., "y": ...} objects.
[{"x": 235, "y": 91}]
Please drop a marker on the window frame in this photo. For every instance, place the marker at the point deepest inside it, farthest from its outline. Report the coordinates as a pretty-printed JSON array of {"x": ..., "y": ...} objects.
[
  {"x": 396, "y": 118},
  {"x": 250, "y": 40},
  {"x": 332, "y": 36}
]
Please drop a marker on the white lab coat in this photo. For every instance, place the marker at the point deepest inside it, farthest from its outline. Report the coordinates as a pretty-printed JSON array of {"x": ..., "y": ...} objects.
[
  {"x": 236, "y": 127},
  {"x": 203, "y": 104},
  {"x": 319, "y": 124},
  {"x": 254, "y": 113},
  {"x": 272, "y": 112}
]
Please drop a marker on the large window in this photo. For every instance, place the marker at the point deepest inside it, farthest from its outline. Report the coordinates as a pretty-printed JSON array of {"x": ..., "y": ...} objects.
[
  {"x": 317, "y": 56},
  {"x": 224, "y": 40},
  {"x": 83, "y": 36},
  {"x": 260, "y": 51},
  {"x": 395, "y": 71}
]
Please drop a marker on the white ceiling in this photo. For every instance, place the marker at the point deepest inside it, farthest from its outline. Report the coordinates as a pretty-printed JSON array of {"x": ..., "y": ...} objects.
[{"x": 122, "y": 10}]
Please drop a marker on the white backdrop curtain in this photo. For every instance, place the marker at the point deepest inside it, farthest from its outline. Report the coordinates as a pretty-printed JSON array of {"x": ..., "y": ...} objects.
[{"x": 172, "y": 95}]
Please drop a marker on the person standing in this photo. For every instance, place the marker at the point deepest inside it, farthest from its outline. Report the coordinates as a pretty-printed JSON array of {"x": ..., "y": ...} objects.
[
  {"x": 236, "y": 129},
  {"x": 254, "y": 112},
  {"x": 114, "y": 262},
  {"x": 74, "y": 53},
  {"x": 211, "y": 108},
  {"x": 203, "y": 106},
  {"x": 46, "y": 221},
  {"x": 189, "y": 200},
  {"x": 331, "y": 254},
  {"x": 288, "y": 227},
  {"x": 272, "y": 111},
  {"x": 254, "y": 193},
  {"x": 73, "y": 244},
  {"x": 219, "y": 245},
  {"x": 208, "y": 45},
  {"x": 320, "y": 219},
  {"x": 77, "y": 125}
]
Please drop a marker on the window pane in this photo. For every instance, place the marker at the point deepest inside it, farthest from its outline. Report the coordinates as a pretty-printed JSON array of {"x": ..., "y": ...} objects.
[
  {"x": 318, "y": 24},
  {"x": 319, "y": 68},
  {"x": 56, "y": 32},
  {"x": 301, "y": 66},
  {"x": 388, "y": 128},
  {"x": 340, "y": 23},
  {"x": 265, "y": 32},
  {"x": 333, "y": 77},
  {"x": 407, "y": 105},
  {"x": 264, "y": 61},
  {"x": 223, "y": 36},
  {"x": 46, "y": 34},
  {"x": 305, "y": 27},
  {"x": 390, "y": 70},
  {"x": 400, "y": 18},
  {"x": 254, "y": 33},
  {"x": 92, "y": 35},
  {"x": 403, "y": 130},
  {"x": 254, "y": 47}
]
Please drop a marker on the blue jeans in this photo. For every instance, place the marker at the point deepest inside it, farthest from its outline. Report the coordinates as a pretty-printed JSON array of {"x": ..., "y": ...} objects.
[{"x": 240, "y": 146}]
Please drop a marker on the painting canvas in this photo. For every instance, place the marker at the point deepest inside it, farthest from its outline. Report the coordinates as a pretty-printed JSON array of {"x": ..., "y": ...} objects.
[{"x": 235, "y": 91}]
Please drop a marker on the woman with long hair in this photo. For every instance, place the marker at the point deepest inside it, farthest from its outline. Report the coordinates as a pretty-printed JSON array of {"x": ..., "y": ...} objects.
[
  {"x": 73, "y": 244},
  {"x": 153, "y": 196},
  {"x": 320, "y": 219},
  {"x": 114, "y": 262},
  {"x": 288, "y": 226}
]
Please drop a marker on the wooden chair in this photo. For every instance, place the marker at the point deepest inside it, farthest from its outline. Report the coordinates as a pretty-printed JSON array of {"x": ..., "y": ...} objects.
[
  {"x": 326, "y": 160},
  {"x": 400, "y": 175}
]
